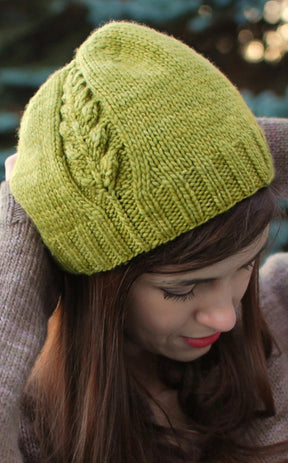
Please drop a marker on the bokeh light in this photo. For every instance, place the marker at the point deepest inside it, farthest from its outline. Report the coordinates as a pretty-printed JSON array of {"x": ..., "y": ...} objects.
[
  {"x": 272, "y": 11},
  {"x": 274, "y": 39},
  {"x": 253, "y": 14},
  {"x": 254, "y": 51},
  {"x": 283, "y": 31},
  {"x": 272, "y": 54},
  {"x": 245, "y": 36},
  {"x": 272, "y": 45},
  {"x": 205, "y": 10},
  {"x": 284, "y": 11}
]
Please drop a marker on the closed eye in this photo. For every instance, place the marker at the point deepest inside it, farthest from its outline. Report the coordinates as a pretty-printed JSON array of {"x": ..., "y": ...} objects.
[
  {"x": 179, "y": 297},
  {"x": 190, "y": 294}
]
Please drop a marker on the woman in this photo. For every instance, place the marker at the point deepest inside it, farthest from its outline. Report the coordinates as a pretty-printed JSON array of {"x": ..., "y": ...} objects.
[{"x": 148, "y": 180}]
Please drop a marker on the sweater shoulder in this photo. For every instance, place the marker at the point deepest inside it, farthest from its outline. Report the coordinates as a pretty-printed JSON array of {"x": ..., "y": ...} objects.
[{"x": 274, "y": 294}]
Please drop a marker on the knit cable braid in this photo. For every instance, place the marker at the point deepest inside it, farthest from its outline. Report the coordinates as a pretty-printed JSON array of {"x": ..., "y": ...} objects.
[{"x": 134, "y": 142}]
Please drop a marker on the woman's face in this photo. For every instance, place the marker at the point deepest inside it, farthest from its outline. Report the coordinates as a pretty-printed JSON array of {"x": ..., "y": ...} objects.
[{"x": 180, "y": 315}]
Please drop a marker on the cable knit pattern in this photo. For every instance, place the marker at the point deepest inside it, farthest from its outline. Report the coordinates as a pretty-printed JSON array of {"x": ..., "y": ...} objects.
[{"x": 90, "y": 142}]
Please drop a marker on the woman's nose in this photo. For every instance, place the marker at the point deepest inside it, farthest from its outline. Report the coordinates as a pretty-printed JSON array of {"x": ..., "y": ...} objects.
[{"x": 217, "y": 310}]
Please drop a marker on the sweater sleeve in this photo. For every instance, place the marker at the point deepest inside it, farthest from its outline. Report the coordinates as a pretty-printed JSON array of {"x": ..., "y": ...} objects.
[
  {"x": 28, "y": 294},
  {"x": 276, "y": 133}
]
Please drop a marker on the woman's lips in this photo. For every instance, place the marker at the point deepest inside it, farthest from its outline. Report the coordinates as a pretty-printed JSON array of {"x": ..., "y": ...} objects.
[{"x": 201, "y": 342}]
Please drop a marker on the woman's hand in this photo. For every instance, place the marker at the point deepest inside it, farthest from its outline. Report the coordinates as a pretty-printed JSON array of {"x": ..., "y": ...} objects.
[{"x": 9, "y": 165}]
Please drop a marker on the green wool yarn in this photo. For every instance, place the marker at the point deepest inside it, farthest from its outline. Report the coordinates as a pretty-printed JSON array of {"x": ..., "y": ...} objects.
[{"x": 134, "y": 142}]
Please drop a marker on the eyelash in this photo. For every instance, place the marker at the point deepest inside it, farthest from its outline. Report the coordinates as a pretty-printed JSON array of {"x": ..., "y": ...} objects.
[
  {"x": 249, "y": 266},
  {"x": 179, "y": 297},
  {"x": 190, "y": 294}
]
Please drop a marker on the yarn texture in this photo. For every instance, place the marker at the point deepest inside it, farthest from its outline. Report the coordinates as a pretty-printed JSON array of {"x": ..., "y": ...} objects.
[{"x": 134, "y": 142}]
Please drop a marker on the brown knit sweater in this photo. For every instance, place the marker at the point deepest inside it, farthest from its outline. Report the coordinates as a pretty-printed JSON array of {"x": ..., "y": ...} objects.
[{"x": 28, "y": 293}]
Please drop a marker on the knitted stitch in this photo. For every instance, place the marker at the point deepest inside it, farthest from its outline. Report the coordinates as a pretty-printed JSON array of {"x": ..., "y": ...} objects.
[{"x": 134, "y": 142}]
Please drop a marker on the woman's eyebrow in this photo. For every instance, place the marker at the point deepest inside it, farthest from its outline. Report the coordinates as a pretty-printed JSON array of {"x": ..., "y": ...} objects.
[{"x": 190, "y": 282}]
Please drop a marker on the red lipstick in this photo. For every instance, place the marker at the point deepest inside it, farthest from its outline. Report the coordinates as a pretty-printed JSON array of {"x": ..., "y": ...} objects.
[{"x": 201, "y": 342}]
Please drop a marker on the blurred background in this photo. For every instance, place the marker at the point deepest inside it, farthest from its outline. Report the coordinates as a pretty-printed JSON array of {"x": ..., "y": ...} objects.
[{"x": 246, "y": 39}]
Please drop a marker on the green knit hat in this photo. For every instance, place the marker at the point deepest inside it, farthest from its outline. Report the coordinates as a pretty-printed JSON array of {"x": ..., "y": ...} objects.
[{"x": 136, "y": 141}]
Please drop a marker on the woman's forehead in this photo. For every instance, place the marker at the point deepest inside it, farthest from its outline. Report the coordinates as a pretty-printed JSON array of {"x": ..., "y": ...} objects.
[{"x": 215, "y": 270}]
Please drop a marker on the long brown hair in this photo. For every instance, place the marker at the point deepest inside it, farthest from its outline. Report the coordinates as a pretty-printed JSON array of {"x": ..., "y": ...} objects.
[{"x": 91, "y": 408}]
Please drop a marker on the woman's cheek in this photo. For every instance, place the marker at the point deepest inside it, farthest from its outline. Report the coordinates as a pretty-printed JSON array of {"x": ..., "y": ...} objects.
[
  {"x": 149, "y": 310},
  {"x": 241, "y": 283}
]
